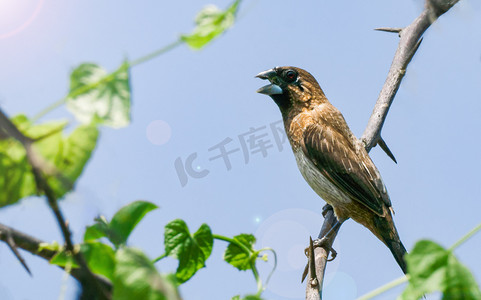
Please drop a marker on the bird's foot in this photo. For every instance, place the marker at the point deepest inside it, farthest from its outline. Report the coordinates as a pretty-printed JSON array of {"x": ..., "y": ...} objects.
[
  {"x": 325, "y": 209},
  {"x": 324, "y": 243}
]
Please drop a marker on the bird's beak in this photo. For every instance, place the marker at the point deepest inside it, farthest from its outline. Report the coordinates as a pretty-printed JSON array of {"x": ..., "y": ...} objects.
[
  {"x": 269, "y": 74},
  {"x": 270, "y": 89}
]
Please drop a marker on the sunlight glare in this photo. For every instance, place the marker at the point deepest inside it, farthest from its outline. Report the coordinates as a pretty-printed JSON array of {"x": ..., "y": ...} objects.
[{"x": 16, "y": 15}]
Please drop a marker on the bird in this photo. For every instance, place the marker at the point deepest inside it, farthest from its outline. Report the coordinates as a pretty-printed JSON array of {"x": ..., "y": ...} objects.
[{"x": 330, "y": 158}]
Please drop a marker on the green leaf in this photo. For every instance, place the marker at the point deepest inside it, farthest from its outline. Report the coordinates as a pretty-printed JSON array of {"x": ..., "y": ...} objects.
[
  {"x": 125, "y": 220},
  {"x": 176, "y": 235},
  {"x": 72, "y": 156},
  {"x": 460, "y": 282},
  {"x": 63, "y": 259},
  {"x": 433, "y": 268},
  {"x": 100, "y": 258},
  {"x": 211, "y": 22},
  {"x": 65, "y": 157},
  {"x": 121, "y": 225},
  {"x": 16, "y": 178},
  {"x": 135, "y": 277},
  {"x": 238, "y": 256},
  {"x": 96, "y": 96},
  {"x": 99, "y": 230},
  {"x": 191, "y": 250}
]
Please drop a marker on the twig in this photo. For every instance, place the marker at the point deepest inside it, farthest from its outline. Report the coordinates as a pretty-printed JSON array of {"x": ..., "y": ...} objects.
[
  {"x": 410, "y": 39},
  {"x": 39, "y": 167},
  {"x": 32, "y": 245}
]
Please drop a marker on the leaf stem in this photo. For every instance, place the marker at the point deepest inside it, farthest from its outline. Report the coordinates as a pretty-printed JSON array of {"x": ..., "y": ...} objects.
[
  {"x": 233, "y": 241},
  {"x": 88, "y": 87},
  {"x": 156, "y": 53},
  {"x": 465, "y": 237},
  {"x": 275, "y": 263},
  {"x": 250, "y": 253},
  {"x": 49, "y": 109},
  {"x": 159, "y": 258},
  {"x": 257, "y": 277},
  {"x": 384, "y": 288}
]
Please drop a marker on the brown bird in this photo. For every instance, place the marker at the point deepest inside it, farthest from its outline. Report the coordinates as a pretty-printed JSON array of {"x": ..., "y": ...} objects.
[{"x": 331, "y": 159}]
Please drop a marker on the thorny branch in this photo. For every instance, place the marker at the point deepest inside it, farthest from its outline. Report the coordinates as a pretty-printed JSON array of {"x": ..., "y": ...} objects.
[
  {"x": 410, "y": 39},
  {"x": 314, "y": 283},
  {"x": 32, "y": 245},
  {"x": 40, "y": 167}
]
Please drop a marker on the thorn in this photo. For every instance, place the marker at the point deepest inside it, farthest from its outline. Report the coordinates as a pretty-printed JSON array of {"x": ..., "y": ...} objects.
[
  {"x": 311, "y": 265},
  {"x": 384, "y": 147},
  {"x": 387, "y": 29},
  {"x": 11, "y": 244},
  {"x": 304, "y": 274},
  {"x": 312, "y": 261}
]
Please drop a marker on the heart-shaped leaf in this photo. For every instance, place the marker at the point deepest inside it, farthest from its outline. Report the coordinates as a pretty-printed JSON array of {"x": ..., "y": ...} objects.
[
  {"x": 211, "y": 22},
  {"x": 135, "y": 277},
  {"x": 64, "y": 157},
  {"x": 96, "y": 96},
  {"x": 433, "y": 268},
  {"x": 191, "y": 250},
  {"x": 238, "y": 256}
]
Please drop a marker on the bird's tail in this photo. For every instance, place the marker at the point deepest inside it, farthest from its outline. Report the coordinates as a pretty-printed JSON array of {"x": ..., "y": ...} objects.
[
  {"x": 398, "y": 251},
  {"x": 387, "y": 233}
]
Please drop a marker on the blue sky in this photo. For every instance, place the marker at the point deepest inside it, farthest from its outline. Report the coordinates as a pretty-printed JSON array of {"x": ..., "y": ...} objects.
[{"x": 187, "y": 102}]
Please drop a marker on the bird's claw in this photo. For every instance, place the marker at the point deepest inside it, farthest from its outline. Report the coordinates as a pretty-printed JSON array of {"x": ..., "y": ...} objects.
[
  {"x": 325, "y": 209},
  {"x": 323, "y": 242}
]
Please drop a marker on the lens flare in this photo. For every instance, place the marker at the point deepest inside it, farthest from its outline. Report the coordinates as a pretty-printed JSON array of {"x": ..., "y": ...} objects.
[{"x": 16, "y": 15}]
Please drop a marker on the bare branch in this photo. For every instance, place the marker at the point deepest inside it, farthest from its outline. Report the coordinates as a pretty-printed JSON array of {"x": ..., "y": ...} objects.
[
  {"x": 321, "y": 254},
  {"x": 410, "y": 40},
  {"x": 32, "y": 245}
]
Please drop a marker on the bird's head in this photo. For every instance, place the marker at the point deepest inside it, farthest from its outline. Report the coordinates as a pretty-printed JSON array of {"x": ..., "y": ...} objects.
[{"x": 292, "y": 88}]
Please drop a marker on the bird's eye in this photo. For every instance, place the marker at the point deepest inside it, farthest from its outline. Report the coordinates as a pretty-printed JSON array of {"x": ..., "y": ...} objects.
[{"x": 290, "y": 75}]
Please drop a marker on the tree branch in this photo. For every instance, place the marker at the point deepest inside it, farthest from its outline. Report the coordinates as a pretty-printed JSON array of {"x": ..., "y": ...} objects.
[
  {"x": 32, "y": 245},
  {"x": 321, "y": 254},
  {"x": 410, "y": 39},
  {"x": 40, "y": 167}
]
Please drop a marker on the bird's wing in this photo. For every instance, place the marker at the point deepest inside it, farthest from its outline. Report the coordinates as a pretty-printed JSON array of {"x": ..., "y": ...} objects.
[{"x": 337, "y": 160}]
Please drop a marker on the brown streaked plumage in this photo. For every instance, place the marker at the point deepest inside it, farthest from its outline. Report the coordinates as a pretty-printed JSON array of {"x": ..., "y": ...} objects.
[{"x": 330, "y": 157}]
